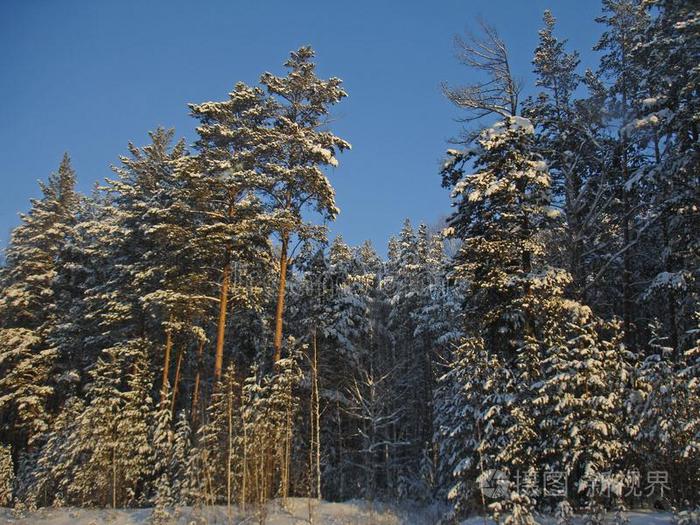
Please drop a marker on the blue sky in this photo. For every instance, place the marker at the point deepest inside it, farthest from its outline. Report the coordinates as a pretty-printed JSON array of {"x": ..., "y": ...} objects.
[{"x": 87, "y": 77}]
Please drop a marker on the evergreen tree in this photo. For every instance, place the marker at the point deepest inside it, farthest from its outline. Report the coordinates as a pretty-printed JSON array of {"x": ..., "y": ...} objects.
[
  {"x": 182, "y": 452},
  {"x": 111, "y": 442},
  {"x": 300, "y": 150},
  {"x": 224, "y": 182},
  {"x": 569, "y": 136},
  {"x": 666, "y": 119},
  {"x": 624, "y": 24},
  {"x": 27, "y": 309},
  {"x": 518, "y": 320},
  {"x": 7, "y": 476}
]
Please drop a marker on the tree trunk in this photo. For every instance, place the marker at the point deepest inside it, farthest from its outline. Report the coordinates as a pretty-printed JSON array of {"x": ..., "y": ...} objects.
[
  {"x": 114, "y": 479},
  {"x": 166, "y": 362},
  {"x": 229, "y": 456},
  {"x": 279, "y": 313},
  {"x": 316, "y": 437},
  {"x": 221, "y": 325},
  {"x": 245, "y": 464},
  {"x": 627, "y": 303},
  {"x": 197, "y": 380},
  {"x": 176, "y": 382}
]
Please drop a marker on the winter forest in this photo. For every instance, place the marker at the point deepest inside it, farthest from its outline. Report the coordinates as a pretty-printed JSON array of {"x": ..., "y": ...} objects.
[{"x": 188, "y": 335}]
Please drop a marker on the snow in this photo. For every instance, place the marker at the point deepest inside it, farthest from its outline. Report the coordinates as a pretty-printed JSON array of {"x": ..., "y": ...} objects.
[
  {"x": 326, "y": 154},
  {"x": 641, "y": 517},
  {"x": 514, "y": 123},
  {"x": 295, "y": 511}
]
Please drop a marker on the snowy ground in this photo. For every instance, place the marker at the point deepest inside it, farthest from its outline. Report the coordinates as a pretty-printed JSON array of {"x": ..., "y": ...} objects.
[{"x": 296, "y": 512}]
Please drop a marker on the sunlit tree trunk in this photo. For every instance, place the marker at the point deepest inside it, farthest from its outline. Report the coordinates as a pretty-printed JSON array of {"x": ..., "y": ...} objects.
[
  {"x": 176, "y": 382},
  {"x": 279, "y": 313},
  {"x": 221, "y": 324},
  {"x": 223, "y": 306}
]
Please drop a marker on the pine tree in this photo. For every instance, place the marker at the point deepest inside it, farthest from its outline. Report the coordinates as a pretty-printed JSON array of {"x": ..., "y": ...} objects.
[
  {"x": 51, "y": 481},
  {"x": 569, "y": 136},
  {"x": 665, "y": 425},
  {"x": 516, "y": 509},
  {"x": 300, "y": 150},
  {"x": 666, "y": 119},
  {"x": 624, "y": 23},
  {"x": 111, "y": 442},
  {"x": 27, "y": 308},
  {"x": 518, "y": 320},
  {"x": 182, "y": 452},
  {"x": 7, "y": 476},
  {"x": 582, "y": 396},
  {"x": 162, "y": 440},
  {"x": 222, "y": 435},
  {"x": 224, "y": 181}
]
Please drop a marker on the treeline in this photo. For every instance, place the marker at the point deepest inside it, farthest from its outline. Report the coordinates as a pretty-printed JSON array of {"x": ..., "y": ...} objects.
[{"x": 186, "y": 335}]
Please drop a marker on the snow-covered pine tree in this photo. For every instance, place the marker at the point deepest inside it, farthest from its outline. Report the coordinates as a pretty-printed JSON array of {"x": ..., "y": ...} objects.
[
  {"x": 620, "y": 78},
  {"x": 110, "y": 445},
  {"x": 79, "y": 269},
  {"x": 515, "y": 509},
  {"x": 346, "y": 333},
  {"x": 517, "y": 312},
  {"x": 182, "y": 452},
  {"x": 220, "y": 436},
  {"x": 299, "y": 151},
  {"x": 500, "y": 209},
  {"x": 282, "y": 406},
  {"x": 439, "y": 326},
  {"x": 665, "y": 419},
  {"x": 162, "y": 442},
  {"x": 49, "y": 482},
  {"x": 414, "y": 286},
  {"x": 158, "y": 286},
  {"x": 569, "y": 138},
  {"x": 582, "y": 396},
  {"x": 7, "y": 476},
  {"x": 224, "y": 181},
  {"x": 463, "y": 392},
  {"x": 162, "y": 438},
  {"x": 346, "y": 317},
  {"x": 666, "y": 118},
  {"x": 269, "y": 408},
  {"x": 164, "y": 462},
  {"x": 27, "y": 308}
]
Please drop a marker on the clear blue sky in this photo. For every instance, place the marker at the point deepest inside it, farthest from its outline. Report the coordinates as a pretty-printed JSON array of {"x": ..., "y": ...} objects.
[{"x": 88, "y": 76}]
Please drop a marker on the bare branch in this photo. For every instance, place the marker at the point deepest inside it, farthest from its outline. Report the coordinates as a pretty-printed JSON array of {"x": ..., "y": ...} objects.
[{"x": 499, "y": 92}]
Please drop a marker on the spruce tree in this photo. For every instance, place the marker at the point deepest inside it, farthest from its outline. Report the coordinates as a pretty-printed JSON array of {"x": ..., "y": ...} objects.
[
  {"x": 7, "y": 476},
  {"x": 28, "y": 308},
  {"x": 518, "y": 320}
]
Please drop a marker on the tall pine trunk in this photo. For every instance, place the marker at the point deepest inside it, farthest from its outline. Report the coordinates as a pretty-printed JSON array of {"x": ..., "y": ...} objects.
[
  {"x": 223, "y": 302},
  {"x": 221, "y": 323},
  {"x": 229, "y": 444},
  {"x": 279, "y": 312}
]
